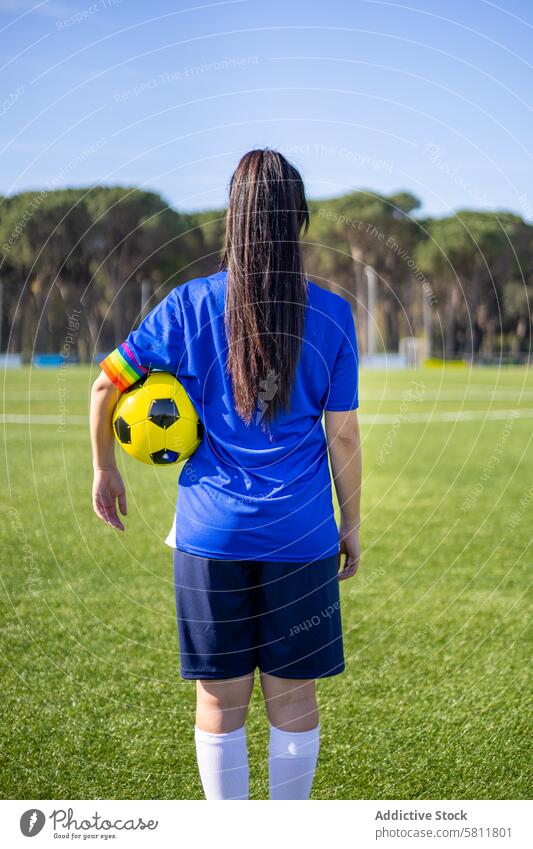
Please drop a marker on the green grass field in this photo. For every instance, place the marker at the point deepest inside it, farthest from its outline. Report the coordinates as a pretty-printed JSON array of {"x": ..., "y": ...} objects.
[{"x": 434, "y": 703}]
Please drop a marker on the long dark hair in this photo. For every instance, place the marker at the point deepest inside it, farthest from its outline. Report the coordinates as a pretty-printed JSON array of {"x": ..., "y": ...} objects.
[{"x": 267, "y": 288}]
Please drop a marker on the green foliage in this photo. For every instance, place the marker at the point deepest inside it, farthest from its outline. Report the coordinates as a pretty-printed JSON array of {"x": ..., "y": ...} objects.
[{"x": 97, "y": 247}]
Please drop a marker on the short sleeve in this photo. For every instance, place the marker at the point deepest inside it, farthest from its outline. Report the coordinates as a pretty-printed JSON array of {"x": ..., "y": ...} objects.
[
  {"x": 154, "y": 345},
  {"x": 344, "y": 377}
]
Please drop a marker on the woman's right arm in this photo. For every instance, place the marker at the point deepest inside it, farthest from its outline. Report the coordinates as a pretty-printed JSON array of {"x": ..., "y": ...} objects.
[
  {"x": 108, "y": 487},
  {"x": 344, "y": 447}
]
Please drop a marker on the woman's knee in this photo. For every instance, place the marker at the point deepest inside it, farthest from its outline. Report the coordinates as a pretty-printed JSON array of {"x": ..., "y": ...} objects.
[
  {"x": 222, "y": 705},
  {"x": 290, "y": 704}
]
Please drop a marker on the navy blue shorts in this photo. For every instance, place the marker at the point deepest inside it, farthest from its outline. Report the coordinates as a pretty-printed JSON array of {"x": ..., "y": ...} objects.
[{"x": 234, "y": 616}]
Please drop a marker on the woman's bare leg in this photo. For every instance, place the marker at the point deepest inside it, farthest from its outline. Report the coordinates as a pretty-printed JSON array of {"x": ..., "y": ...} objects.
[
  {"x": 290, "y": 704},
  {"x": 221, "y": 706}
]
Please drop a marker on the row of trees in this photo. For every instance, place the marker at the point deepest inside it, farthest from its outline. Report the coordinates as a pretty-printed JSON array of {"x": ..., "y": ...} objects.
[{"x": 465, "y": 280}]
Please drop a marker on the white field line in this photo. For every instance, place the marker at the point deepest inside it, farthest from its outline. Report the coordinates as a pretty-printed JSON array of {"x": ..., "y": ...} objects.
[
  {"x": 435, "y": 418},
  {"x": 451, "y": 395},
  {"x": 468, "y": 394},
  {"x": 16, "y": 418},
  {"x": 364, "y": 418},
  {"x": 41, "y": 395}
]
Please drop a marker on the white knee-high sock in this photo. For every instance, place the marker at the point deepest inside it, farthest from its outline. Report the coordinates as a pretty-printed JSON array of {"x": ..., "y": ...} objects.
[
  {"x": 223, "y": 763},
  {"x": 292, "y": 762}
]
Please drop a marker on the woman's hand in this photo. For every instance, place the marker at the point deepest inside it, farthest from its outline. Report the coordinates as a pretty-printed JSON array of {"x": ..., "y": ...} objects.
[
  {"x": 108, "y": 487},
  {"x": 350, "y": 547}
]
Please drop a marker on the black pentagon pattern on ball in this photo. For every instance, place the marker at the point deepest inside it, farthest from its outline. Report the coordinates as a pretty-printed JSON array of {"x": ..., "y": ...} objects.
[
  {"x": 199, "y": 430},
  {"x": 122, "y": 430},
  {"x": 164, "y": 457},
  {"x": 163, "y": 412}
]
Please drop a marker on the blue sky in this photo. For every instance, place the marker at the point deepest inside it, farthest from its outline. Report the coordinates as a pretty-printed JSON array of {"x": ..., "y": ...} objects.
[{"x": 432, "y": 97}]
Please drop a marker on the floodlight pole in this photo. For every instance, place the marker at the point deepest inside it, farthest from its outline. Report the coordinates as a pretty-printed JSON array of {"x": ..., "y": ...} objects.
[
  {"x": 426, "y": 322},
  {"x": 372, "y": 289}
]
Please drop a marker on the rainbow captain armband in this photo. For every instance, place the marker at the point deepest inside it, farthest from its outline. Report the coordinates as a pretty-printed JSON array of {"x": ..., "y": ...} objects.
[{"x": 122, "y": 367}]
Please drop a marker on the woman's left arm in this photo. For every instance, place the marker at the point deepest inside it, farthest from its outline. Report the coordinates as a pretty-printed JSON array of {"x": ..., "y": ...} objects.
[{"x": 108, "y": 486}]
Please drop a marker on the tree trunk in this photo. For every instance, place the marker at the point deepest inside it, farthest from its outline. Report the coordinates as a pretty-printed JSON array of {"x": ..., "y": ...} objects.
[
  {"x": 450, "y": 324},
  {"x": 41, "y": 330},
  {"x": 18, "y": 312},
  {"x": 518, "y": 337},
  {"x": 390, "y": 325},
  {"x": 359, "y": 302},
  {"x": 74, "y": 321}
]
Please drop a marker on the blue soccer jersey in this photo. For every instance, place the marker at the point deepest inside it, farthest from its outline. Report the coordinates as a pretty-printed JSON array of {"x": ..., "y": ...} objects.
[{"x": 248, "y": 492}]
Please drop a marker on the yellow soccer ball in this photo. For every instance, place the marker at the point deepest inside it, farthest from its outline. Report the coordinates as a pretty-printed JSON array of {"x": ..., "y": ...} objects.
[{"x": 155, "y": 421}]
